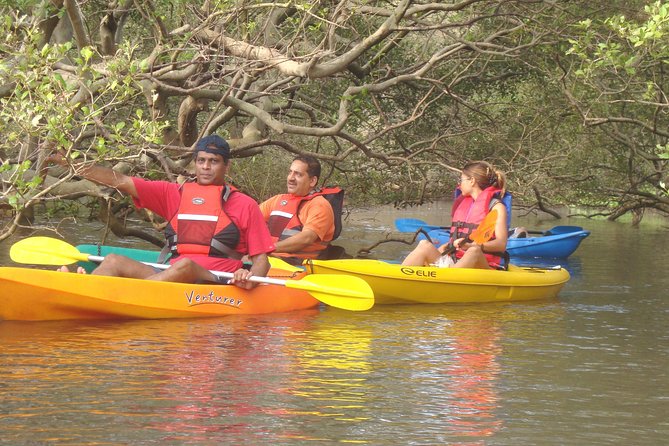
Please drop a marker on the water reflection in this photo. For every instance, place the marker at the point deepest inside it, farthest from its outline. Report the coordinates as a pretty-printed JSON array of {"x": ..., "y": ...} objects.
[
  {"x": 314, "y": 375},
  {"x": 473, "y": 374},
  {"x": 255, "y": 377},
  {"x": 214, "y": 385},
  {"x": 332, "y": 368},
  {"x": 206, "y": 380},
  {"x": 447, "y": 364},
  {"x": 197, "y": 380}
]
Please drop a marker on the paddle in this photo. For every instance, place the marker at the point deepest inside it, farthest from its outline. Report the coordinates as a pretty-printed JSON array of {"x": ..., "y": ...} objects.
[
  {"x": 341, "y": 291},
  {"x": 415, "y": 224},
  {"x": 279, "y": 263}
]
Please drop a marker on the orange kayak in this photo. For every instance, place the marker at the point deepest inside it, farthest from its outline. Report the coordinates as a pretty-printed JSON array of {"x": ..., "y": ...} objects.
[{"x": 38, "y": 295}]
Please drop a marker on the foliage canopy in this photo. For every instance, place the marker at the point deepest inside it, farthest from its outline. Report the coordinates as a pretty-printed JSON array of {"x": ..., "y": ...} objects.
[{"x": 393, "y": 97}]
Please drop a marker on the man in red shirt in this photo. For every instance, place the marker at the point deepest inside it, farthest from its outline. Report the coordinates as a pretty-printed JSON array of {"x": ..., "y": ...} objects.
[
  {"x": 301, "y": 222},
  {"x": 211, "y": 225}
]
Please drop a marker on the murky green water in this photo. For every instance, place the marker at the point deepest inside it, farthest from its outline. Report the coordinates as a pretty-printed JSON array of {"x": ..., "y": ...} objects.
[{"x": 587, "y": 368}]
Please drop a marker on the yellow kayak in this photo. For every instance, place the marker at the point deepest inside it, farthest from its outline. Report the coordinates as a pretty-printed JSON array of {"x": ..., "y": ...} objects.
[
  {"x": 38, "y": 295},
  {"x": 395, "y": 284}
]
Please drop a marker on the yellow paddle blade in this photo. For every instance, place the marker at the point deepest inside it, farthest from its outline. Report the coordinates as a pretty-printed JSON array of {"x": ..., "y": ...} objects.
[
  {"x": 340, "y": 291},
  {"x": 486, "y": 229},
  {"x": 277, "y": 263},
  {"x": 45, "y": 251}
]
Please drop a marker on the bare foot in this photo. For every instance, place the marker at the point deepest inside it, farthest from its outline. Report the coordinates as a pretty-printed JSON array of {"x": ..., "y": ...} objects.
[{"x": 65, "y": 269}]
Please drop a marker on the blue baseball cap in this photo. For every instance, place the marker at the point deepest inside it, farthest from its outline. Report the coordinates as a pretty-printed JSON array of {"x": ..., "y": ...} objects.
[{"x": 213, "y": 144}]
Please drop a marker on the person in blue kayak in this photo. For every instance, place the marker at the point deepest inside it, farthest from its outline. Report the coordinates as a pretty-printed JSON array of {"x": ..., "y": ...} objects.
[
  {"x": 482, "y": 187},
  {"x": 210, "y": 224}
]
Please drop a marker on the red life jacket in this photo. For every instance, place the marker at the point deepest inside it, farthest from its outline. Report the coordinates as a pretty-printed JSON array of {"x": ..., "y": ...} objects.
[
  {"x": 284, "y": 221},
  {"x": 467, "y": 214},
  {"x": 201, "y": 225}
]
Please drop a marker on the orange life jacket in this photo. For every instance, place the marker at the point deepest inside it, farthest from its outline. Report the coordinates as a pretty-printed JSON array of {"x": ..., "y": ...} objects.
[
  {"x": 201, "y": 225},
  {"x": 468, "y": 213},
  {"x": 284, "y": 221}
]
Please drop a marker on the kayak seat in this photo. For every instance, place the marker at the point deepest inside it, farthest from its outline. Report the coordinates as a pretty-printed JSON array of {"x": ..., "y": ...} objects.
[
  {"x": 333, "y": 252},
  {"x": 518, "y": 232}
]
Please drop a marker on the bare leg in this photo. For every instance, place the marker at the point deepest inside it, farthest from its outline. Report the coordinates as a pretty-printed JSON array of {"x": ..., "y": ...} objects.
[
  {"x": 473, "y": 258},
  {"x": 122, "y": 266},
  {"x": 423, "y": 254},
  {"x": 184, "y": 271}
]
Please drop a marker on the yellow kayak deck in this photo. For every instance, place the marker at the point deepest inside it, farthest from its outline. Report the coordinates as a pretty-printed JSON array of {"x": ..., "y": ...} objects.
[
  {"x": 35, "y": 295},
  {"x": 396, "y": 284}
]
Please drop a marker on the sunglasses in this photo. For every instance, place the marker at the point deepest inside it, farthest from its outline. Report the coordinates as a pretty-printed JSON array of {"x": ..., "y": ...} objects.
[{"x": 460, "y": 180}]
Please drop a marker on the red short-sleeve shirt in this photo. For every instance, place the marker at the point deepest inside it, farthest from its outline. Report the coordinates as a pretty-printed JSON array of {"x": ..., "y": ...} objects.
[{"x": 163, "y": 197}]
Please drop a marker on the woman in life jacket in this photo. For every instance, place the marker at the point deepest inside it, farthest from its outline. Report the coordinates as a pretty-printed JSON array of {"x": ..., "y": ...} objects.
[{"x": 482, "y": 188}]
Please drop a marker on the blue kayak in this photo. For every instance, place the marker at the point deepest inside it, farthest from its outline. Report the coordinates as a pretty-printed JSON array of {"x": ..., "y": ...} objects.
[{"x": 556, "y": 244}]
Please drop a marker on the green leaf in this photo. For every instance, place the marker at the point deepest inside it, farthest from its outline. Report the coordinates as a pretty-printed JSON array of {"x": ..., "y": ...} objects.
[
  {"x": 86, "y": 53},
  {"x": 59, "y": 79},
  {"x": 45, "y": 50}
]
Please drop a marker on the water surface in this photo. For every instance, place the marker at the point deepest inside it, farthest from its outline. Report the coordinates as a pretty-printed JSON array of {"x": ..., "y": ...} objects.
[{"x": 587, "y": 368}]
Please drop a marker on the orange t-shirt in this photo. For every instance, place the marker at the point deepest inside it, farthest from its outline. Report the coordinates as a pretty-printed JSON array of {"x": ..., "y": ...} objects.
[{"x": 315, "y": 214}]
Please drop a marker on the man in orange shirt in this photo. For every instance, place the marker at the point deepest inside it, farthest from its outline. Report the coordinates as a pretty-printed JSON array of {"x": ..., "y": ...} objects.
[{"x": 301, "y": 222}]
